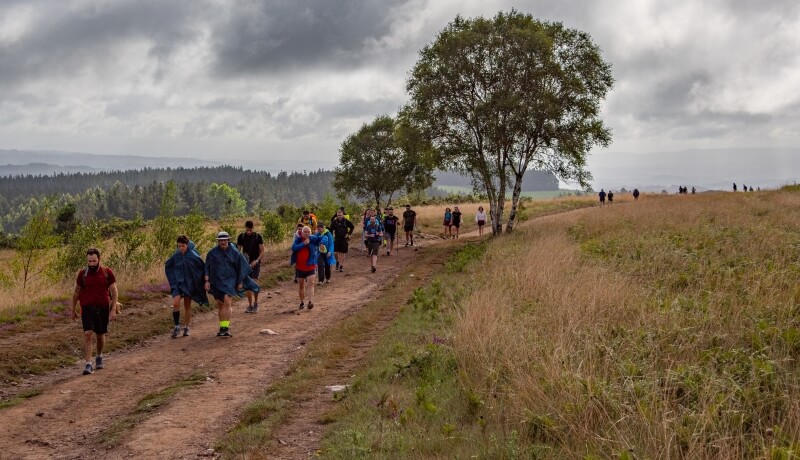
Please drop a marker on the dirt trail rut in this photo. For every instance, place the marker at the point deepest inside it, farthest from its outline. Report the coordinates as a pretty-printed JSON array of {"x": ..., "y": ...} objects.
[{"x": 68, "y": 418}]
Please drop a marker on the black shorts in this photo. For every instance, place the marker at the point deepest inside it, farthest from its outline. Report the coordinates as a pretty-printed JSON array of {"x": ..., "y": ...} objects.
[
  {"x": 341, "y": 245},
  {"x": 373, "y": 247},
  {"x": 457, "y": 224},
  {"x": 408, "y": 228},
  {"x": 95, "y": 318},
  {"x": 389, "y": 235},
  {"x": 304, "y": 274},
  {"x": 256, "y": 271}
]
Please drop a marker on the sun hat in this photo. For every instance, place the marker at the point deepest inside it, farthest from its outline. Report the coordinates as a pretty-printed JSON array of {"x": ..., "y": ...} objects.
[{"x": 223, "y": 236}]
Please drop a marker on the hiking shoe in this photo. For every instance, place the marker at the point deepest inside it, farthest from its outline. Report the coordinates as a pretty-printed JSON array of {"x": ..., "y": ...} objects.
[
  {"x": 88, "y": 369},
  {"x": 98, "y": 362},
  {"x": 302, "y": 306},
  {"x": 374, "y": 269},
  {"x": 176, "y": 331},
  {"x": 186, "y": 332},
  {"x": 249, "y": 309},
  {"x": 388, "y": 253},
  {"x": 328, "y": 281},
  {"x": 255, "y": 308},
  {"x": 219, "y": 334},
  {"x": 225, "y": 332},
  {"x": 295, "y": 280},
  {"x": 310, "y": 305},
  {"x": 341, "y": 268}
]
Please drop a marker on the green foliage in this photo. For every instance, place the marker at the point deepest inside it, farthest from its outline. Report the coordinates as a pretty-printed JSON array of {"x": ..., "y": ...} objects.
[
  {"x": 379, "y": 160},
  {"x": 273, "y": 229},
  {"x": 193, "y": 225},
  {"x": 464, "y": 257},
  {"x": 72, "y": 255},
  {"x": 165, "y": 225},
  {"x": 225, "y": 201},
  {"x": 499, "y": 96},
  {"x": 131, "y": 251},
  {"x": 36, "y": 238}
]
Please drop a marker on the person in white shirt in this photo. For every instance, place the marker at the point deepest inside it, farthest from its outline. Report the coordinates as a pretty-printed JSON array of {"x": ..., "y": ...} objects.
[{"x": 480, "y": 218}]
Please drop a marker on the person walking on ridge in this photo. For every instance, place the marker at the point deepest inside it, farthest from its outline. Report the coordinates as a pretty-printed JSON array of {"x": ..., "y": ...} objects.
[
  {"x": 305, "y": 252},
  {"x": 93, "y": 285},
  {"x": 342, "y": 229},
  {"x": 390, "y": 222},
  {"x": 185, "y": 270},
  {"x": 226, "y": 273},
  {"x": 409, "y": 223},
  {"x": 373, "y": 234},
  {"x": 251, "y": 245}
]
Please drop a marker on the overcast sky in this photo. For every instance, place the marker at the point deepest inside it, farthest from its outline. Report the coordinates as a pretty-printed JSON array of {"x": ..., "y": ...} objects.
[{"x": 282, "y": 83}]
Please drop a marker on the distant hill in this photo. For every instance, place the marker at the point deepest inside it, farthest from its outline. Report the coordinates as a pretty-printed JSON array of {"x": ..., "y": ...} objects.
[{"x": 36, "y": 162}]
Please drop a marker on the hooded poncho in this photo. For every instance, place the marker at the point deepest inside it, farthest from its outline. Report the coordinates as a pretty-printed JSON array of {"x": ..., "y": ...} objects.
[
  {"x": 185, "y": 274},
  {"x": 226, "y": 270}
]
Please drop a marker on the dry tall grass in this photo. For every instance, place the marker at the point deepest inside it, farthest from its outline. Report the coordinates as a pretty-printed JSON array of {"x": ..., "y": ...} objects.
[{"x": 666, "y": 328}]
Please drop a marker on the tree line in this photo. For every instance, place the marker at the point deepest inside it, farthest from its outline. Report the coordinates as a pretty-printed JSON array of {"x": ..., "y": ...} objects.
[{"x": 217, "y": 191}]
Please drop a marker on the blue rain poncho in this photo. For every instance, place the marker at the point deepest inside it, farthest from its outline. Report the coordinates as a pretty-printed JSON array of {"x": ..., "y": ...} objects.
[
  {"x": 185, "y": 274},
  {"x": 226, "y": 270}
]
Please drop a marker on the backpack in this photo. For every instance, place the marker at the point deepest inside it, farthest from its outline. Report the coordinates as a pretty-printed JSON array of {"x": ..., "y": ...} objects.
[{"x": 85, "y": 271}]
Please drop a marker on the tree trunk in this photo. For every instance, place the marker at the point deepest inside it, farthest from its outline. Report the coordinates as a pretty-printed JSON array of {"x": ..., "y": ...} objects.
[{"x": 514, "y": 203}]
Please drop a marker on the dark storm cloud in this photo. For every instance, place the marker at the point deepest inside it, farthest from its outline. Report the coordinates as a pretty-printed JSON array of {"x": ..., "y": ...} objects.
[
  {"x": 67, "y": 40},
  {"x": 279, "y": 35}
]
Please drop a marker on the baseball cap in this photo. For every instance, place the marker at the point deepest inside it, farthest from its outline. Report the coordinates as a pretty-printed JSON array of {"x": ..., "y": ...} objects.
[{"x": 223, "y": 236}]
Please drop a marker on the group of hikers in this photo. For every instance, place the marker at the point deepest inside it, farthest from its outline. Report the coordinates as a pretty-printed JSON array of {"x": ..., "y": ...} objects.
[{"x": 232, "y": 270}]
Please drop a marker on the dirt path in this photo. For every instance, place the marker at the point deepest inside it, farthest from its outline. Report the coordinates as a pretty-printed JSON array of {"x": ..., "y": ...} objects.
[{"x": 68, "y": 418}]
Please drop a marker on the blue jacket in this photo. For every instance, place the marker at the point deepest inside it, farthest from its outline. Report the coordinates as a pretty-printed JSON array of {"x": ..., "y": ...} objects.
[
  {"x": 327, "y": 241},
  {"x": 226, "y": 270},
  {"x": 313, "y": 246},
  {"x": 185, "y": 274}
]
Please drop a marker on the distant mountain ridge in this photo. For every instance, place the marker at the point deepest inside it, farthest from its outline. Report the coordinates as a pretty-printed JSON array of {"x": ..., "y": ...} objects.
[{"x": 46, "y": 162}]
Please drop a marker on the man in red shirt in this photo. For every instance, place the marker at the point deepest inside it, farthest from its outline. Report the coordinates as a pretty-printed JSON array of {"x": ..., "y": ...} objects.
[{"x": 93, "y": 285}]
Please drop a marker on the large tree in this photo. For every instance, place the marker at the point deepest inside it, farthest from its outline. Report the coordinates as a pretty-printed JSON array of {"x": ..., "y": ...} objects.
[
  {"x": 497, "y": 97},
  {"x": 382, "y": 158}
]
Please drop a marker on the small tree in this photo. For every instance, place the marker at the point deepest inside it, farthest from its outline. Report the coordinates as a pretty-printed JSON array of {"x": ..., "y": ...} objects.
[
  {"x": 194, "y": 226},
  {"x": 165, "y": 225},
  {"x": 225, "y": 201},
  {"x": 274, "y": 229},
  {"x": 72, "y": 256},
  {"x": 379, "y": 160},
  {"x": 35, "y": 239}
]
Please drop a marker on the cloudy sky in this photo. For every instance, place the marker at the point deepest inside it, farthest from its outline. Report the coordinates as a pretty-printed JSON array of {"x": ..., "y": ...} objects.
[{"x": 282, "y": 82}]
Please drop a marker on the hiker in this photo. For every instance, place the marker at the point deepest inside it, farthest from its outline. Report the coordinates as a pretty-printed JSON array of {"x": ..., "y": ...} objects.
[
  {"x": 456, "y": 221},
  {"x": 368, "y": 214},
  {"x": 346, "y": 216},
  {"x": 373, "y": 234},
  {"x": 610, "y": 197},
  {"x": 734, "y": 186},
  {"x": 447, "y": 223},
  {"x": 480, "y": 219},
  {"x": 409, "y": 223},
  {"x": 635, "y": 194},
  {"x": 226, "y": 273},
  {"x": 298, "y": 232},
  {"x": 93, "y": 285},
  {"x": 751, "y": 188},
  {"x": 390, "y": 222},
  {"x": 305, "y": 252},
  {"x": 342, "y": 229},
  {"x": 602, "y": 196},
  {"x": 185, "y": 270},
  {"x": 694, "y": 190},
  {"x": 251, "y": 245},
  {"x": 326, "y": 257},
  {"x": 308, "y": 219}
]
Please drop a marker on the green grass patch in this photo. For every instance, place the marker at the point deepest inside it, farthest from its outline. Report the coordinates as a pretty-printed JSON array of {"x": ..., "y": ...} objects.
[
  {"x": 20, "y": 397},
  {"x": 275, "y": 276},
  {"x": 146, "y": 407},
  {"x": 263, "y": 417},
  {"x": 407, "y": 402}
]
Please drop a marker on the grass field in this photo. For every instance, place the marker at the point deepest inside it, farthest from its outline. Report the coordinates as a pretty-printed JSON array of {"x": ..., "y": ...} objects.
[{"x": 667, "y": 328}]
